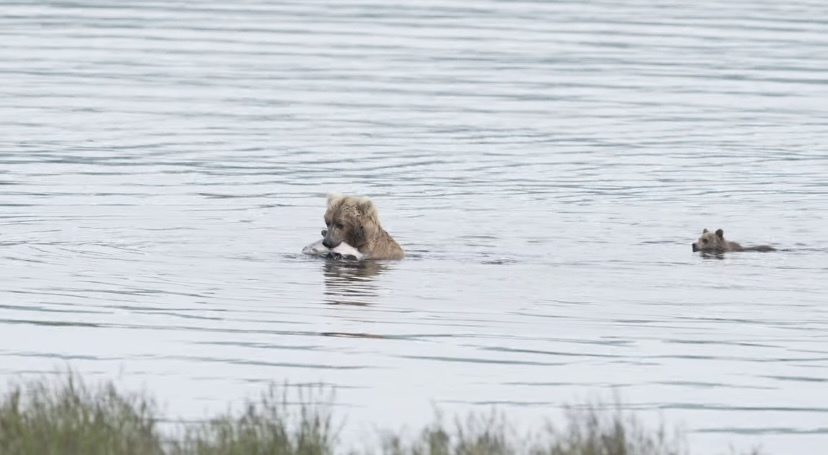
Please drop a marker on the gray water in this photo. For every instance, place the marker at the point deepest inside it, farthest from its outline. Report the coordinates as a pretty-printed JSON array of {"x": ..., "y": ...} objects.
[{"x": 546, "y": 166}]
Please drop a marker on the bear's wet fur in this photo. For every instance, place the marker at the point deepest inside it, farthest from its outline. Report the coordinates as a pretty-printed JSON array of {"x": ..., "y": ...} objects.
[
  {"x": 355, "y": 221},
  {"x": 714, "y": 242}
]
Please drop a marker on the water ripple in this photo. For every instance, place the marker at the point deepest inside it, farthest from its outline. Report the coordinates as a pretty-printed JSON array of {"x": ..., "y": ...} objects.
[{"x": 545, "y": 164}]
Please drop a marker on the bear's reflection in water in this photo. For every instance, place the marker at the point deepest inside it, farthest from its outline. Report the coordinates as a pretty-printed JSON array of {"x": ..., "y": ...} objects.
[
  {"x": 706, "y": 255},
  {"x": 352, "y": 283}
]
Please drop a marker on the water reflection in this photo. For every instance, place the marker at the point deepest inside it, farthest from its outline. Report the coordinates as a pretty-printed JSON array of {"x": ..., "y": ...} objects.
[{"x": 352, "y": 283}]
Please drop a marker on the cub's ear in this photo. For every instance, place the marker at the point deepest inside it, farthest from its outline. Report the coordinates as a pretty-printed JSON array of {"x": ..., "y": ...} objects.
[
  {"x": 366, "y": 207},
  {"x": 333, "y": 198},
  {"x": 720, "y": 233},
  {"x": 704, "y": 231}
]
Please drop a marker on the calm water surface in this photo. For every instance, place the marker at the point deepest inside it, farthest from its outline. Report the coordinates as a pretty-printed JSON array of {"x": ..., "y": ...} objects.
[{"x": 545, "y": 164}]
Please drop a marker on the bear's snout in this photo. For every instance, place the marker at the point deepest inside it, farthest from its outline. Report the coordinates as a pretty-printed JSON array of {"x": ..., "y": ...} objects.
[
  {"x": 328, "y": 244},
  {"x": 695, "y": 248}
]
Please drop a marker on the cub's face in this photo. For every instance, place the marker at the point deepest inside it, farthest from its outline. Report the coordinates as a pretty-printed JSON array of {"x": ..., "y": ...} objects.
[
  {"x": 339, "y": 230},
  {"x": 711, "y": 241},
  {"x": 349, "y": 219}
]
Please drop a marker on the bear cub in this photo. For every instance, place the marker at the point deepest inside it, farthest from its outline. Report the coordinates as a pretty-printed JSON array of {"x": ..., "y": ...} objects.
[
  {"x": 714, "y": 242},
  {"x": 355, "y": 221}
]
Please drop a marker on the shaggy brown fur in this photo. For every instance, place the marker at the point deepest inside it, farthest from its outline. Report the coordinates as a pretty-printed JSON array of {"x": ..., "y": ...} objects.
[
  {"x": 355, "y": 220},
  {"x": 714, "y": 242}
]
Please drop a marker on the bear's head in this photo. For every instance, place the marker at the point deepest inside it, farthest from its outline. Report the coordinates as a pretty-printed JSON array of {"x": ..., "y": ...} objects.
[
  {"x": 349, "y": 219},
  {"x": 711, "y": 242}
]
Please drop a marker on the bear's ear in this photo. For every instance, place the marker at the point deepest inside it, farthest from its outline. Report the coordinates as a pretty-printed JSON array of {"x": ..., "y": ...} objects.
[
  {"x": 720, "y": 233},
  {"x": 704, "y": 231},
  {"x": 366, "y": 207},
  {"x": 333, "y": 198}
]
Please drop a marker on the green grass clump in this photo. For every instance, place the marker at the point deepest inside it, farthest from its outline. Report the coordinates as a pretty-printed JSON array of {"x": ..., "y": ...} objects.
[
  {"x": 588, "y": 432},
  {"x": 68, "y": 417},
  {"x": 268, "y": 426},
  {"x": 476, "y": 435},
  {"x": 592, "y": 432}
]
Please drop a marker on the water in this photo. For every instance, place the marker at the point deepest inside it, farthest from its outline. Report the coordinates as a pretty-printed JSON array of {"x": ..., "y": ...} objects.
[{"x": 546, "y": 166}]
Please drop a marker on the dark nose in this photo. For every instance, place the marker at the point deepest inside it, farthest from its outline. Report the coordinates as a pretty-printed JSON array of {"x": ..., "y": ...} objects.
[
  {"x": 324, "y": 232},
  {"x": 695, "y": 248},
  {"x": 327, "y": 243}
]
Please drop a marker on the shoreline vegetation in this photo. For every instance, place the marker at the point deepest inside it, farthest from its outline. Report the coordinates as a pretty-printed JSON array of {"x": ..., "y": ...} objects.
[{"x": 65, "y": 415}]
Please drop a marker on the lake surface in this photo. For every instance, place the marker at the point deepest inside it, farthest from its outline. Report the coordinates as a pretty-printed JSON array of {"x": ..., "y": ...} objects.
[{"x": 546, "y": 165}]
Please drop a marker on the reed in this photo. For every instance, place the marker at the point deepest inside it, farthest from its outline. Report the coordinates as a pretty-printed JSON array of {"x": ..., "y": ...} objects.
[{"x": 65, "y": 415}]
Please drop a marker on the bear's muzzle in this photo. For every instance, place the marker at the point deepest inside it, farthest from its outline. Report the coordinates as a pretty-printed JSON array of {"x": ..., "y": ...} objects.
[{"x": 328, "y": 243}]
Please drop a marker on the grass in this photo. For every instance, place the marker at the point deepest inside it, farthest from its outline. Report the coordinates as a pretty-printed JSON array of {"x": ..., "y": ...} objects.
[
  {"x": 268, "y": 426},
  {"x": 66, "y": 416},
  {"x": 587, "y": 432}
]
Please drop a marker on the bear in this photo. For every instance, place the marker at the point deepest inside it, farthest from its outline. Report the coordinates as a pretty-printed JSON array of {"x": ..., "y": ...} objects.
[
  {"x": 714, "y": 242},
  {"x": 355, "y": 221}
]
